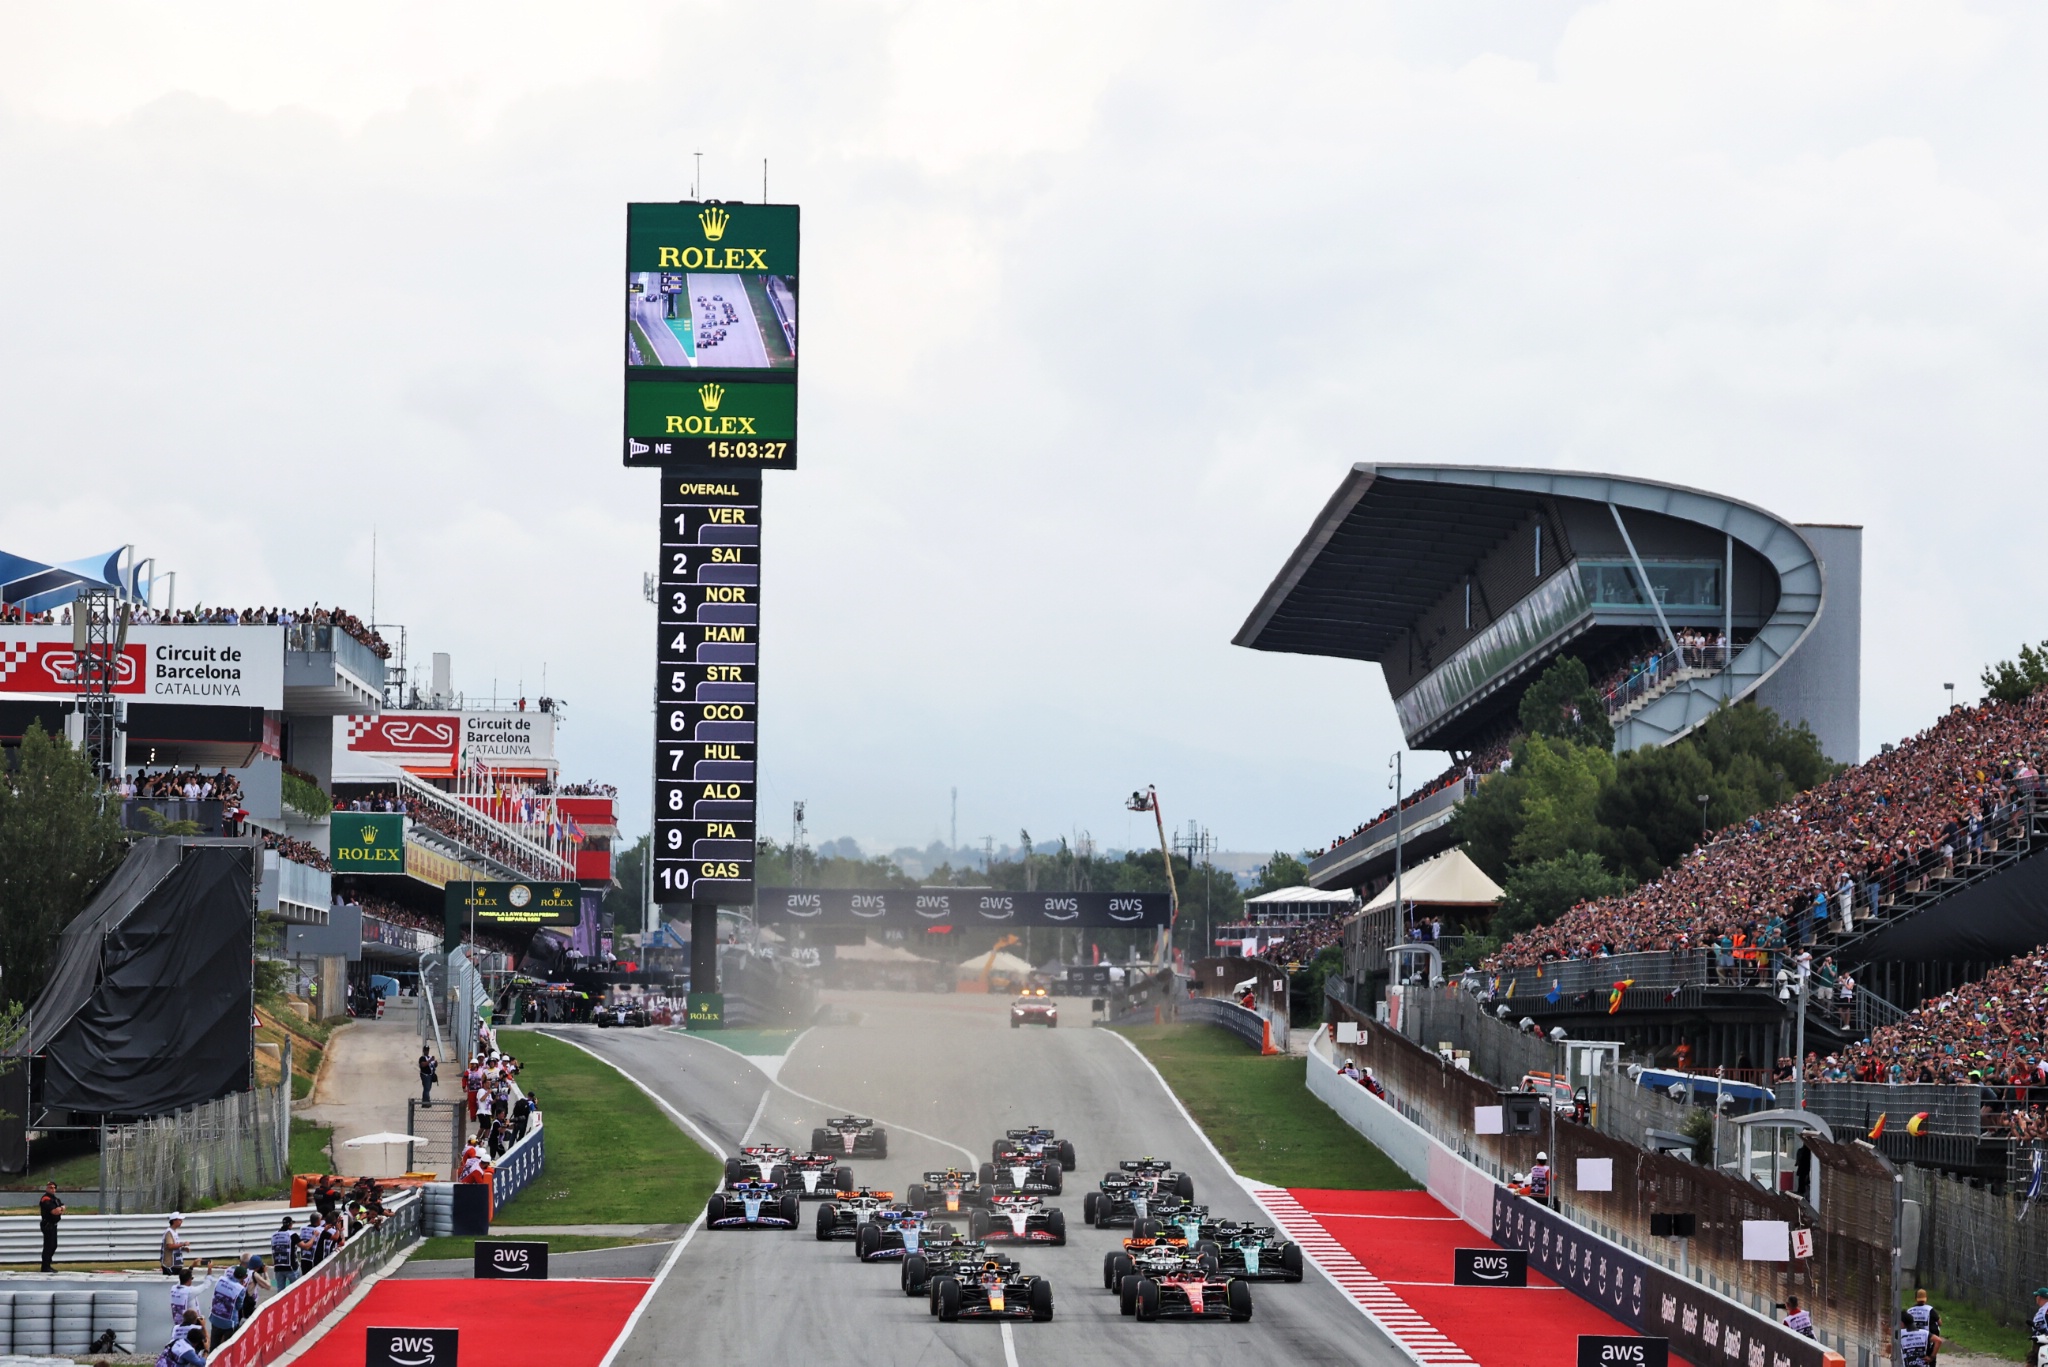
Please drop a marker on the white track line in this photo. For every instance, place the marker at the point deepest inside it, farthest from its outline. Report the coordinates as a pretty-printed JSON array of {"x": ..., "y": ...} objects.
[
  {"x": 1009, "y": 1346},
  {"x": 759, "y": 1111},
  {"x": 660, "y": 1276},
  {"x": 711, "y": 1145}
]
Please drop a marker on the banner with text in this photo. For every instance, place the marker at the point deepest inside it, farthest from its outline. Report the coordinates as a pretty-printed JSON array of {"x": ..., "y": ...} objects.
[
  {"x": 367, "y": 842},
  {"x": 899, "y": 907},
  {"x": 190, "y": 666}
]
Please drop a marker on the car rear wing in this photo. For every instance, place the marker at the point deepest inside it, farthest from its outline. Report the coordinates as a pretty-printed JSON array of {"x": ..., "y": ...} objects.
[
  {"x": 850, "y": 1122},
  {"x": 932, "y": 1179},
  {"x": 1146, "y": 1165},
  {"x": 1029, "y": 1132}
]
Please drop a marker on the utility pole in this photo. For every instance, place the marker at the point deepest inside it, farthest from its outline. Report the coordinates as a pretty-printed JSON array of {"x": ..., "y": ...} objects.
[
  {"x": 953, "y": 833},
  {"x": 796, "y": 839},
  {"x": 1400, "y": 910}
]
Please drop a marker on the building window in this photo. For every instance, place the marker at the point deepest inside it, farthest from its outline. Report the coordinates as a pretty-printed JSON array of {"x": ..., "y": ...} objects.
[{"x": 1677, "y": 584}]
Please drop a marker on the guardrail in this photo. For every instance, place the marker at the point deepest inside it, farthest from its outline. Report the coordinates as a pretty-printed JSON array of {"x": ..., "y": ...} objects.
[
  {"x": 1247, "y": 1025},
  {"x": 282, "y": 1321}
]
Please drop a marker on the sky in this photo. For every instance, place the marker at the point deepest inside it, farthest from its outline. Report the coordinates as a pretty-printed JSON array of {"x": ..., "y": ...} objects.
[{"x": 1100, "y": 303}]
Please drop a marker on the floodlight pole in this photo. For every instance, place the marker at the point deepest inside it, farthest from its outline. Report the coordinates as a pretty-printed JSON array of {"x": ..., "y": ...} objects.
[{"x": 1400, "y": 911}]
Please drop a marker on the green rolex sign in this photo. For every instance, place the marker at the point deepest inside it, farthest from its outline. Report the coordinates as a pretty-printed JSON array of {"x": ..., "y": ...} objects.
[{"x": 367, "y": 842}]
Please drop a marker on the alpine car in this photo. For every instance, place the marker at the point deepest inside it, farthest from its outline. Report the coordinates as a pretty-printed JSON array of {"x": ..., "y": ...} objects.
[
  {"x": 752, "y": 1205},
  {"x": 1132, "y": 1192},
  {"x": 954, "y": 1257},
  {"x": 1161, "y": 1284},
  {"x": 1033, "y": 1141},
  {"x": 893, "y": 1233},
  {"x": 1019, "y": 1220},
  {"x": 997, "y": 1290},
  {"x": 953, "y": 1191},
  {"x": 847, "y": 1211},
  {"x": 851, "y": 1136},
  {"x": 1034, "y": 1007},
  {"x": 1251, "y": 1252}
]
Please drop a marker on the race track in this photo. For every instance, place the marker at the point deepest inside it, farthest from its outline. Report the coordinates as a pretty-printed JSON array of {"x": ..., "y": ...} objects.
[
  {"x": 727, "y": 332},
  {"x": 951, "y": 1067}
]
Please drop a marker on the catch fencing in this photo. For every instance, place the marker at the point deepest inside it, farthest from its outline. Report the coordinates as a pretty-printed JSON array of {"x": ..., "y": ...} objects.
[
  {"x": 1977, "y": 1244},
  {"x": 238, "y": 1146}
]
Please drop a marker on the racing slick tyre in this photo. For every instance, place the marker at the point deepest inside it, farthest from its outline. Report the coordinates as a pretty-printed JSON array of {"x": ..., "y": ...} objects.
[
  {"x": 842, "y": 1179},
  {"x": 735, "y": 1171},
  {"x": 1211, "y": 1248},
  {"x": 828, "y": 1219},
  {"x": 867, "y": 1241},
  {"x": 1115, "y": 1267},
  {"x": 1089, "y": 1203},
  {"x": 1041, "y": 1300},
  {"x": 948, "y": 1295},
  {"x": 821, "y": 1141},
  {"x": 792, "y": 1209},
  {"x": 1056, "y": 1225},
  {"x": 977, "y": 1225},
  {"x": 1147, "y": 1298},
  {"x": 916, "y": 1196},
  {"x": 881, "y": 1143},
  {"x": 1066, "y": 1155},
  {"x": 1059, "y": 1178},
  {"x": 1240, "y": 1298},
  {"x": 1185, "y": 1187},
  {"x": 779, "y": 1175},
  {"x": 1290, "y": 1260},
  {"x": 714, "y": 1209},
  {"x": 1144, "y": 1229},
  {"x": 988, "y": 1175},
  {"x": 1127, "y": 1294},
  {"x": 1208, "y": 1263},
  {"x": 915, "y": 1274}
]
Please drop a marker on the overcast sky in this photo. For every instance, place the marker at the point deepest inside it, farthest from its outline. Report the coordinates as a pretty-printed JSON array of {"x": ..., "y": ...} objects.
[{"x": 1100, "y": 302}]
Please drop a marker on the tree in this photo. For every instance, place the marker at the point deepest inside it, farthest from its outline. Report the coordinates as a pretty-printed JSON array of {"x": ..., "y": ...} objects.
[
  {"x": 1281, "y": 871},
  {"x": 2018, "y": 680},
  {"x": 1487, "y": 822},
  {"x": 1562, "y": 782},
  {"x": 1537, "y": 893},
  {"x": 1562, "y": 703},
  {"x": 60, "y": 836}
]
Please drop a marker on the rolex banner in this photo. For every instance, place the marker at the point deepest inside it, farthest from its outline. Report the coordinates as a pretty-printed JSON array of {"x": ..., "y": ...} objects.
[
  {"x": 510, "y": 906},
  {"x": 367, "y": 842}
]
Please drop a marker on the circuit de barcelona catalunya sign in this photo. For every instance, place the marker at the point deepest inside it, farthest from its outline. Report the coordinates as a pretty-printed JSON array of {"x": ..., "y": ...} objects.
[
  {"x": 961, "y": 906},
  {"x": 191, "y": 666}
]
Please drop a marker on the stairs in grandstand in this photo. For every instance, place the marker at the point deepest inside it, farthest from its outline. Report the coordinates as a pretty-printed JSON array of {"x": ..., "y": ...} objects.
[
  {"x": 2031, "y": 839},
  {"x": 1665, "y": 684}
]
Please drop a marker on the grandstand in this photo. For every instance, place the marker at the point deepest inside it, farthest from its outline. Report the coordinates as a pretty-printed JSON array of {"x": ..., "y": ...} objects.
[{"x": 1464, "y": 583}]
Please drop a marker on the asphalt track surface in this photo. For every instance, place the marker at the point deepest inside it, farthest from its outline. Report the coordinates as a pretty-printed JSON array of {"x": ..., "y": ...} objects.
[
  {"x": 741, "y": 345},
  {"x": 951, "y": 1067},
  {"x": 648, "y": 313}
]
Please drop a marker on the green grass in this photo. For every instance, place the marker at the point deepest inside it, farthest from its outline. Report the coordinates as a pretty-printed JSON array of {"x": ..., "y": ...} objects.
[
  {"x": 1966, "y": 1328},
  {"x": 309, "y": 1146},
  {"x": 613, "y": 1156},
  {"x": 72, "y": 1172},
  {"x": 1260, "y": 1113},
  {"x": 463, "y": 1247}
]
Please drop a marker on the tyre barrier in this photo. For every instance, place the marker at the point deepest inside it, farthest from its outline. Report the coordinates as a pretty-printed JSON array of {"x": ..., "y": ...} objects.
[
  {"x": 67, "y": 1323},
  {"x": 6, "y": 1323},
  {"x": 118, "y": 1313},
  {"x": 70, "y": 1323},
  {"x": 33, "y": 1311}
]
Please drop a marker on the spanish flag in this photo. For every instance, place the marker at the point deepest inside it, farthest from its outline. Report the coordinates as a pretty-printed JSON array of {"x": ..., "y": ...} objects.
[
  {"x": 1509, "y": 995},
  {"x": 1877, "y": 1130},
  {"x": 1614, "y": 997},
  {"x": 1917, "y": 1126}
]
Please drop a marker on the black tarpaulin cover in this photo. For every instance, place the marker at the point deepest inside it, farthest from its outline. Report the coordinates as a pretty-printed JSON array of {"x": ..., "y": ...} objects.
[
  {"x": 167, "y": 1023},
  {"x": 1994, "y": 920}
]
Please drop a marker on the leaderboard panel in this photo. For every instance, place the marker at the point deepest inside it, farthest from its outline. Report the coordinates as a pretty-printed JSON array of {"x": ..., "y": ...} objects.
[{"x": 707, "y": 688}]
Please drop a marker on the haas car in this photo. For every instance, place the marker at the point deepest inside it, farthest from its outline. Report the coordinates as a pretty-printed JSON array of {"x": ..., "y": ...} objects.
[
  {"x": 1033, "y": 1141},
  {"x": 1019, "y": 1220},
  {"x": 997, "y": 1290},
  {"x": 812, "y": 1176},
  {"x": 954, "y": 1191},
  {"x": 851, "y": 1136},
  {"x": 893, "y": 1233},
  {"x": 1136, "y": 1191},
  {"x": 1161, "y": 1284},
  {"x": 843, "y": 1216},
  {"x": 752, "y": 1205}
]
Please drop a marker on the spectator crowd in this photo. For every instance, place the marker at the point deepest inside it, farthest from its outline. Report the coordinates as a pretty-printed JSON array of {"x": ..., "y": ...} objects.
[
  {"x": 1826, "y": 858},
  {"x": 1475, "y": 766},
  {"x": 182, "y": 785},
  {"x": 1641, "y": 673},
  {"x": 313, "y": 617}
]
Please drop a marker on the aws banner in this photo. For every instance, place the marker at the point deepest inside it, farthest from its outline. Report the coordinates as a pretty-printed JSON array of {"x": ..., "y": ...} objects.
[{"x": 961, "y": 906}]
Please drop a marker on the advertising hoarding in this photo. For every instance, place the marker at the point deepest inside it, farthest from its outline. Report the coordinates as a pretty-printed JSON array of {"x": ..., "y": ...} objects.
[
  {"x": 367, "y": 842},
  {"x": 899, "y": 907},
  {"x": 210, "y": 666},
  {"x": 509, "y": 740}
]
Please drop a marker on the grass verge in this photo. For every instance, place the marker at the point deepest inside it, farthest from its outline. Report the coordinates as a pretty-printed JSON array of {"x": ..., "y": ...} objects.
[
  {"x": 71, "y": 1172},
  {"x": 1966, "y": 1328},
  {"x": 1259, "y": 1112},
  {"x": 463, "y": 1247},
  {"x": 614, "y": 1157},
  {"x": 310, "y": 1146}
]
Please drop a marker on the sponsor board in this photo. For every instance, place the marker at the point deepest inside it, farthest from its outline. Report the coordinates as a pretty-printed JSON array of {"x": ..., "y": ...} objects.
[
  {"x": 184, "y": 666},
  {"x": 515, "y": 740},
  {"x": 424, "y": 741},
  {"x": 706, "y": 1011},
  {"x": 367, "y": 842},
  {"x": 387, "y": 1347},
  {"x": 517, "y": 905},
  {"x": 1605, "y": 1350},
  {"x": 512, "y": 1259},
  {"x": 923, "y": 907},
  {"x": 1490, "y": 1267}
]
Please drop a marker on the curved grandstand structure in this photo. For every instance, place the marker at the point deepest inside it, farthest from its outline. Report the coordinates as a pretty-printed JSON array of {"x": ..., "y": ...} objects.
[{"x": 1463, "y": 583}]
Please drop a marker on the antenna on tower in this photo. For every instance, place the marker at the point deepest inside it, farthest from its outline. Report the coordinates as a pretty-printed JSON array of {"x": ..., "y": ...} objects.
[
  {"x": 953, "y": 837},
  {"x": 697, "y": 184},
  {"x": 764, "y": 180}
]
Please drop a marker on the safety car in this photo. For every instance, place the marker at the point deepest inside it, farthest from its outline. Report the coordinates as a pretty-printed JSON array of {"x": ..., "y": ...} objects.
[{"x": 1034, "y": 1007}]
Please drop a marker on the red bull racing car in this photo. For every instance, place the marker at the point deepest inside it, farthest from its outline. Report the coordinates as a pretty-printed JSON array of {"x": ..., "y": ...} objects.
[
  {"x": 997, "y": 1290},
  {"x": 954, "y": 1191},
  {"x": 752, "y": 1205}
]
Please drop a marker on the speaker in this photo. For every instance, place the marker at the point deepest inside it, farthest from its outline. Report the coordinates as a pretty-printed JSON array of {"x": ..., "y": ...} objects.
[
  {"x": 1660, "y": 1225},
  {"x": 1685, "y": 1224}
]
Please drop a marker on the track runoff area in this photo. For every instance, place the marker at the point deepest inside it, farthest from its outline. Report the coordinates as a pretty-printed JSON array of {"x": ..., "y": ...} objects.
[{"x": 946, "y": 1076}]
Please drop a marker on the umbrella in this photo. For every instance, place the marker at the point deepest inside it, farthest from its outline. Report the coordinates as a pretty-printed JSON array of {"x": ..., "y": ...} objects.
[{"x": 385, "y": 1139}]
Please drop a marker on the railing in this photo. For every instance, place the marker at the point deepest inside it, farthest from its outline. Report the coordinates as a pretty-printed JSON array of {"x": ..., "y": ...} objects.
[
  {"x": 1414, "y": 812},
  {"x": 219, "y": 1150},
  {"x": 285, "y": 1319},
  {"x": 206, "y": 814},
  {"x": 475, "y": 836},
  {"x": 1662, "y": 670},
  {"x": 1249, "y": 1026}
]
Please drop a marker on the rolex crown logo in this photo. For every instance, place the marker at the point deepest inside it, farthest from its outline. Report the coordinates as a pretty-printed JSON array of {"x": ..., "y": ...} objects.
[
  {"x": 711, "y": 394},
  {"x": 714, "y": 220},
  {"x": 369, "y": 835}
]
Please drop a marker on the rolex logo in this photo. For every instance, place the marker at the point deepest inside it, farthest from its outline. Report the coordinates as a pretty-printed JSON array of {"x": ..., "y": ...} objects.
[
  {"x": 714, "y": 220},
  {"x": 711, "y": 394},
  {"x": 369, "y": 835}
]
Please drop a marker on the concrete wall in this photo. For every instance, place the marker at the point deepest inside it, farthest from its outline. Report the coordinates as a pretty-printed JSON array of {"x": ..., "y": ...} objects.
[{"x": 1822, "y": 683}]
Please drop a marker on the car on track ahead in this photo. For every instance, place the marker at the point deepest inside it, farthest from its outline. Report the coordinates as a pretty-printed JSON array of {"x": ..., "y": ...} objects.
[
  {"x": 817, "y": 1176},
  {"x": 1162, "y": 1284},
  {"x": 843, "y": 1215},
  {"x": 1019, "y": 1220},
  {"x": 893, "y": 1233},
  {"x": 997, "y": 1290},
  {"x": 1174, "y": 1224},
  {"x": 1134, "y": 1191},
  {"x": 759, "y": 1163},
  {"x": 954, "y": 1191},
  {"x": 851, "y": 1136},
  {"x": 1020, "y": 1174},
  {"x": 1249, "y": 1251},
  {"x": 1033, "y": 1141},
  {"x": 752, "y": 1205},
  {"x": 1034, "y": 1007},
  {"x": 953, "y": 1257}
]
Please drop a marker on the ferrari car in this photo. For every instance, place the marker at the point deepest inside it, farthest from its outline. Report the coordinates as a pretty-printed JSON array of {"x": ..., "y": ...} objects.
[
  {"x": 997, "y": 1290},
  {"x": 1019, "y": 1220},
  {"x": 1034, "y": 1007},
  {"x": 1162, "y": 1284},
  {"x": 1132, "y": 1193},
  {"x": 847, "y": 1211},
  {"x": 956, "y": 1257},
  {"x": 752, "y": 1205},
  {"x": 893, "y": 1233},
  {"x": 953, "y": 1191},
  {"x": 851, "y": 1136},
  {"x": 1251, "y": 1252},
  {"x": 1034, "y": 1141}
]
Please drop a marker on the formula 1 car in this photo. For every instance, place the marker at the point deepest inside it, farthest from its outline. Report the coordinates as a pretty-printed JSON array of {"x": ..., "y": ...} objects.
[
  {"x": 1021, "y": 1174},
  {"x": 1019, "y": 1220},
  {"x": 956, "y": 1257},
  {"x": 752, "y": 1205},
  {"x": 997, "y": 1290},
  {"x": 1172, "y": 1223},
  {"x": 851, "y": 1136},
  {"x": 894, "y": 1233},
  {"x": 818, "y": 1176},
  {"x": 1132, "y": 1193},
  {"x": 843, "y": 1216},
  {"x": 955, "y": 1190},
  {"x": 1034, "y": 1007},
  {"x": 1161, "y": 1284},
  {"x": 759, "y": 1162},
  {"x": 1251, "y": 1252},
  {"x": 1033, "y": 1141}
]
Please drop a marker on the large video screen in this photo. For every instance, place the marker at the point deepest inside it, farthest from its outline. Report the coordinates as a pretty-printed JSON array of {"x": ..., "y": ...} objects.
[{"x": 711, "y": 335}]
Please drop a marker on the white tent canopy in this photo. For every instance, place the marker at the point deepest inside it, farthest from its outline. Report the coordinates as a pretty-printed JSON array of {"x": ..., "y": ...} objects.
[
  {"x": 1005, "y": 963},
  {"x": 870, "y": 952},
  {"x": 1449, "y": 880},
  {"x": 1304, "y": 898}
]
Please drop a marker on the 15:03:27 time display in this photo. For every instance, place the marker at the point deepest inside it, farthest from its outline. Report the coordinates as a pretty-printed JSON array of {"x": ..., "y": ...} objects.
[{"x": 746, "y": 450}]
